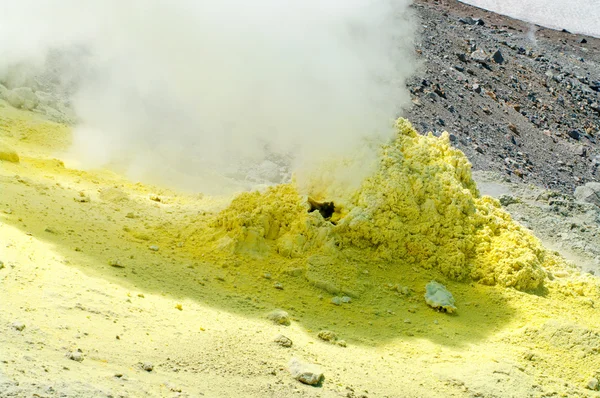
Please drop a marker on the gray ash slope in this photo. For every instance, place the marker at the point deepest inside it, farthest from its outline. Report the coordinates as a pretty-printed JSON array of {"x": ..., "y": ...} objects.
[{"x": 517, "y": 98}]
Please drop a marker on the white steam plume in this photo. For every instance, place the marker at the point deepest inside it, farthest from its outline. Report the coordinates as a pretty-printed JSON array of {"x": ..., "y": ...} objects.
[{"x": 189, "y": 90}]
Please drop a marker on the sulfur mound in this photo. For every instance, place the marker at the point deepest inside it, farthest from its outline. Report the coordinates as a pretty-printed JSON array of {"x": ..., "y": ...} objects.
[{"x": 420, "y": 207}]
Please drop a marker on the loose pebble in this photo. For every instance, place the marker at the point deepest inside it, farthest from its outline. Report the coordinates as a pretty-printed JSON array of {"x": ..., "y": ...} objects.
[
  {"x": 305, "y": 373},
  {"x": 279, "y": 317},
  {"x": 18, "y": 326},
  {"x": 283, "y": 341},
  {"x": 148, "y": 366}
]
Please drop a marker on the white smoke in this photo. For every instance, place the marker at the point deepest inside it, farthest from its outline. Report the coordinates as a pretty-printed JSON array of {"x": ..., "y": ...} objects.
[{"x": 187, "y": 91}]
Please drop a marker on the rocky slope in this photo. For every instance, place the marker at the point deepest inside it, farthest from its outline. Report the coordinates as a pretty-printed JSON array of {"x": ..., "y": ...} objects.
[{"x": 519, "y": 99}]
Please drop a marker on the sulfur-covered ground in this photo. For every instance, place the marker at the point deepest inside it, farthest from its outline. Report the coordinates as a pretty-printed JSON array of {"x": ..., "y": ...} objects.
[{"x": 102, "y": 277}]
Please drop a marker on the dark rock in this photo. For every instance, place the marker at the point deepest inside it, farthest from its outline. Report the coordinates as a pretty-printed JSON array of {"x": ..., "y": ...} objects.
[
  {"x": 575, "y": 134},
  {"x": 459, "y": 68},
  {"x": 497, "y": 57},
  {"x": 467, "y": 21},
  {"x": 583, "y": 41},
  {"x": 471, "y": 21},
  {"x": 462, "y": 57},
  {"x": 438, "y": 90}
]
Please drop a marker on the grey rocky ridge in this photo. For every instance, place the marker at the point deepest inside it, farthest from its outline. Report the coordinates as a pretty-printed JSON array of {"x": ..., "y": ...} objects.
[{"x": 516, "y": 98}]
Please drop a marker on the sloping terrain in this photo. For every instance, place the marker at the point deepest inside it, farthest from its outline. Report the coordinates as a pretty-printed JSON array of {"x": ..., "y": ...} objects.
[
  {"x": 518, "y": 98},
  {"x": 104, "y": 279},
  {"x": 117, "y": 288}
]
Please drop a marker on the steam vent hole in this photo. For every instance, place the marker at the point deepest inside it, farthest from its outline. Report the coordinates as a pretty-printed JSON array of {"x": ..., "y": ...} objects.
[{"x": 325, "y": 208}]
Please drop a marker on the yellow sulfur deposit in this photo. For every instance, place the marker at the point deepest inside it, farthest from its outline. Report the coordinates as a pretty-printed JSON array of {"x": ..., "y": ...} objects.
[
  {"x": 420, "y": 207},
  {"x": 223, "y": 280}
]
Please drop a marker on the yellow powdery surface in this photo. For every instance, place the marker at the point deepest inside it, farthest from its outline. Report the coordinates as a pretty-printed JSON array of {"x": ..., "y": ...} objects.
[
  {"x": 420, "y": 207},
  {"x": 197, "y": 276}
]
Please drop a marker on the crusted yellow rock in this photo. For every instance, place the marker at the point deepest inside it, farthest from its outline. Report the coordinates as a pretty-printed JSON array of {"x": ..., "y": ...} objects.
[{"x": 421, "y": 206}]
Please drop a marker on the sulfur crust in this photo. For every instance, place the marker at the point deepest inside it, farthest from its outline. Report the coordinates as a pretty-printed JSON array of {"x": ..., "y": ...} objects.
[{"x": 421, "y": 207}]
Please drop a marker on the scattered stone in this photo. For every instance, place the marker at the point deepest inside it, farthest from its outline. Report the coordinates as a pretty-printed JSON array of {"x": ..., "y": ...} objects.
[
  {"x": 8, "y": 154},
  {"x": 589, "y": 192},
  {"x": 592, "y": 384},
  {"x": 462, "y": 57},
  {"x": 583, "y": 41},
  {"x": 51, "y": 230},
  {"x": 574, "y": 134},
  {"x": 480, "y": 56},
  {"x": 305, "y": 373},
  {"x": 498, "y": 58},
  {"x": 1, "y": 264},
  {"x": 342, "y": 343},
  {"x": 130, "y": 215},
  {"x": 336, "y": 300},
  {"x": 327, "y": 335},
  {"x": 154, "y": 248},
  {"x": 18, "y": 326},
  {"x": 346, "y": 299},
  {"x": 471, "y": 21},
  {"x": 278, "y": 285},
  {"x": 155, "y": 197},
  {"x": 439, "y": 298},
  {"x": 283, "y": 341},
  {"x": 279, "y": 317},
  {"x": 82, "y": 198},
  {"x": 506, "y": 200},
  {"x": 179, "y": 307},
  {"x": 477, "y": 88},
  {"x": 148, "y": 366},
  {"x": 76, "y": 356},
  {"x": 267, "y": 275},
  {"x": 115, "y": 263}
]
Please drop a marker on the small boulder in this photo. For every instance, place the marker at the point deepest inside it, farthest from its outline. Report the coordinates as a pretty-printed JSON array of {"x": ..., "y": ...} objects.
[
  {"x": 439, "y": 298},
  {"x": 76, "y": 356},
  {"x": 480, "y": 56},
  {"x": 305, "y": 373},
  {"x": 148, "y": 366},
  {"x": 575, "y": 134},
  {"x": 497, "y": 57},
  {"x": 283, "y": 341},
  {"x": 279, "y": 317},
  {"x": 328, "y": 336},
  {"x": 19, "y": 326},
  {"x": 589, "y": 192}
]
